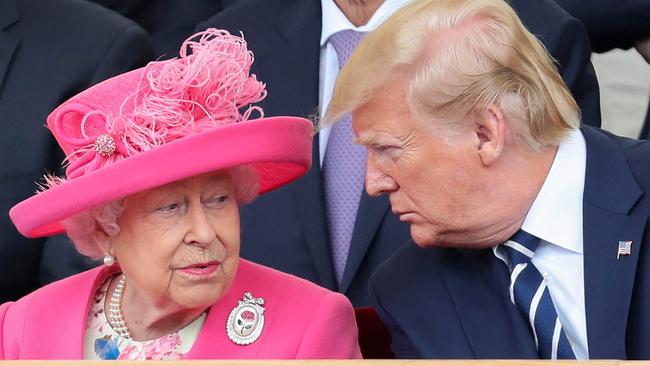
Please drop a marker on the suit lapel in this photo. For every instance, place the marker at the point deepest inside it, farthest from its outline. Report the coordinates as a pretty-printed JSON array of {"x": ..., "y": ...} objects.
[
  {"x": 494, "y": 328},
  {"x": 308, "y": 200},
  {"x": 610, "y": 194},
  {"x": 369, "y": 216},
  {"x": 8, "y": 15},
  {"x": 292, "y": 83}
]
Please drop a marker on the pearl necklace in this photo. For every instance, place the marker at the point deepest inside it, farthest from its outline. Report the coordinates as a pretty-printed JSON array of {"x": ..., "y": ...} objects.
[{"x": 115, "y": 309}]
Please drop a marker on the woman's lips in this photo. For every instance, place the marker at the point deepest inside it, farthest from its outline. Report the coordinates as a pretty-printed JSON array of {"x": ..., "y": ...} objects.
[{"x": 200, "y": 269}]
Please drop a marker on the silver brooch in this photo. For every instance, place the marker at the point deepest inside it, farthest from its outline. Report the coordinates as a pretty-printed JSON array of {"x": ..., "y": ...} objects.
[
  {"x": 105, "y": 145},
  {"x": 246, "y": 320}
]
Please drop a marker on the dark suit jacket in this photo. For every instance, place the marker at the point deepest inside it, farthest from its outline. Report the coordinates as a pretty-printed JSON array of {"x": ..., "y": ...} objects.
[
  {"x": 286, "y": 229},
  {"x": 613, "y": 25},
  {"x": 453, "y": 303},
  {"x": 49, "y": 51},
  {"x": 169, "y": 22}
]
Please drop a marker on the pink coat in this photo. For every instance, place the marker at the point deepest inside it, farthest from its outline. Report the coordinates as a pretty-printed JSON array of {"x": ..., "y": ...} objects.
[{"x": 302, "y": 320}]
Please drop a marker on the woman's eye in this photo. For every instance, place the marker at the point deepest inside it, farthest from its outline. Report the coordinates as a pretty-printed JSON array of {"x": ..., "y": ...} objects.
[
  {"x": 168, "y": 208},
  {"x": 218, "y": 200}
]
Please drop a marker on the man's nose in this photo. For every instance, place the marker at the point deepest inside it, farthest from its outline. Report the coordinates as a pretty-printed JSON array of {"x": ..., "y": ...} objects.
[{"x": 377, "y": 182}]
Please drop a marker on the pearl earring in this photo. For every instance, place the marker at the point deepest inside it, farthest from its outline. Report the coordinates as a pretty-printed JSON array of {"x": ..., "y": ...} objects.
[{"x": 109, "y": 260}]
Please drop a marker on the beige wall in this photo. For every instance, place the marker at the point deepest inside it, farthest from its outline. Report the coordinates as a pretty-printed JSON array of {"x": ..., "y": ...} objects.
[{"x": 624, "y": 79}]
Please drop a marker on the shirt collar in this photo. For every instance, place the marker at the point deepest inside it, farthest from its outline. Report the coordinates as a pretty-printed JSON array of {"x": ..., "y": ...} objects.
[
  {"x": 333, "y": 19},
  {"x": 556, "y": 214}
]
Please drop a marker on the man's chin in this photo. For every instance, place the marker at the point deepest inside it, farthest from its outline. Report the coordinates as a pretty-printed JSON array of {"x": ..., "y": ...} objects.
[
  {"x": 423, "y": 238},
  {"x": 431, "y": 239}
]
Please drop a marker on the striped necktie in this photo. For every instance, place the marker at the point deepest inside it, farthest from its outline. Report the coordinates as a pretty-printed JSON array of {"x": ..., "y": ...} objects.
[{"x": 528, "y": 290}]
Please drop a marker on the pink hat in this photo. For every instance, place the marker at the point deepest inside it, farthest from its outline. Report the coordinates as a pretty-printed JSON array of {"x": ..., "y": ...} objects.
[{"x": 165, "y": 122}]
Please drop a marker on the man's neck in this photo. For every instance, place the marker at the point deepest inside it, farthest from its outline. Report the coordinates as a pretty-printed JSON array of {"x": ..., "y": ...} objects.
[{"x": 359, "y": 12}]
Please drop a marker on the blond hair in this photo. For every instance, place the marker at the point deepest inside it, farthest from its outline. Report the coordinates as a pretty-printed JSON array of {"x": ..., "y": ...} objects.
[{"x": 460, "y": 57}]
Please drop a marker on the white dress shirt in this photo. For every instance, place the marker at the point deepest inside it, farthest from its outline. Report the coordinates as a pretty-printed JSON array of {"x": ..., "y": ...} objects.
[
  {"x": 334, "y": 21},
  {"x": 556, "y": 218}
]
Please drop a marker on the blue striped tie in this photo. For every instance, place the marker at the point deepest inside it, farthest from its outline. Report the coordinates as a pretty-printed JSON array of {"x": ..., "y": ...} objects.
[{"x": 529, "y": 292}]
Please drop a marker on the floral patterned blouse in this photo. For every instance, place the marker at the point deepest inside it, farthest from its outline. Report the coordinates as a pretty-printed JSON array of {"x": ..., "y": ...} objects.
[{"x": 103, "y": 343}]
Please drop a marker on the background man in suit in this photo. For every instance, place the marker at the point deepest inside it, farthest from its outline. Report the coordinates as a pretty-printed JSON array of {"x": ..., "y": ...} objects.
[
  {"x": 49, "y": 51},
  {"x": 169, "y": 22},
  {"x": 295, "y": 42},
  {"x": 612, "y": 25},
  {"x": 530, "y": 231},
  {"x": 624, "y": 24}
]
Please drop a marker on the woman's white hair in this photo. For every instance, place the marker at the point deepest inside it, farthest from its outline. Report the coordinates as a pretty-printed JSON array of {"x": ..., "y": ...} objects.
[{"x": 86, "y": 228}]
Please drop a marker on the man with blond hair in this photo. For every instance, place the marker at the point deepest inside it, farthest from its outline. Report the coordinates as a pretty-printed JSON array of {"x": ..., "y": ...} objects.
[
  {"x": 323, "y": 227},
  {"x": 530, "y": 230}
]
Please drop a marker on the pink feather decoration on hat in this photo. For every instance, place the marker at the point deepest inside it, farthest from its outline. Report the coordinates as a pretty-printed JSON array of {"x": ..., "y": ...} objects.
[{"x": 207, "y": 86}]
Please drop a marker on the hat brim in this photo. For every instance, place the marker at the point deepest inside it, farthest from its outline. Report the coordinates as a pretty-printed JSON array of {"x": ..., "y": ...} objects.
[{"x": 278, "y": 148}]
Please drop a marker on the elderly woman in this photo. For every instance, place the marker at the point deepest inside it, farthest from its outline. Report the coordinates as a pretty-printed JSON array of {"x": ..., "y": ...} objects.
[{"x": 159, "y": 159}]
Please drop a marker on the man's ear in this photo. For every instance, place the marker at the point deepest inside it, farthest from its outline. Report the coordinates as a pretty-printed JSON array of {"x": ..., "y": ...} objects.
[{"x": 490, "y": 134}]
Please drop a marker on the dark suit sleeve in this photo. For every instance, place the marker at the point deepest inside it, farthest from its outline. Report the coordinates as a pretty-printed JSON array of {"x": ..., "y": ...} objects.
[
  {"x": 566, "y": 40},
  {"x": 400, "y": 343},
  {"x": 611, "y": 23}
]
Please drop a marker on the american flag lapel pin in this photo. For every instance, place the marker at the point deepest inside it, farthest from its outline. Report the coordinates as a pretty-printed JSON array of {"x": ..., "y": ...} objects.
[{"x": 624, "y": 248}]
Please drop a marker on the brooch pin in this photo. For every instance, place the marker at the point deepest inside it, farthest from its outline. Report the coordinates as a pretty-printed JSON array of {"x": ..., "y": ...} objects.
[{"x": 246, "y": 320}]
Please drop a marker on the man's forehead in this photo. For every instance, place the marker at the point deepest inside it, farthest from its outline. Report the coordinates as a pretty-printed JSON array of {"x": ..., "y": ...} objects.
[{"x": 369, "y": 130}]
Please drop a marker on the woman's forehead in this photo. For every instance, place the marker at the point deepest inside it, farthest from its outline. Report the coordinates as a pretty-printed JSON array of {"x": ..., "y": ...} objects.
[{"x": 219, "y": 178}]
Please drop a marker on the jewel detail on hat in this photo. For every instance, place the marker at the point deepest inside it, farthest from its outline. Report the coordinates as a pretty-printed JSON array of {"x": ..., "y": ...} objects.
[{"x": 105, "y": 145}]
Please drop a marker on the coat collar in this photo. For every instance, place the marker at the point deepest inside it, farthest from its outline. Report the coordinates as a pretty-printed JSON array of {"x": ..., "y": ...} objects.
[
  {"x": 308, "y": 198},
  {"x": 495, "y": 328},
  {"x": 79, "y": 291},
  {"x": 611, "y": 193},
  {"x": 370, "y": 214}
]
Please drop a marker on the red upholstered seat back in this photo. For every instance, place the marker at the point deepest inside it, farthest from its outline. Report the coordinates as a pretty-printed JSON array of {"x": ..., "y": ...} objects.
[{"x": 374, "y": 337}]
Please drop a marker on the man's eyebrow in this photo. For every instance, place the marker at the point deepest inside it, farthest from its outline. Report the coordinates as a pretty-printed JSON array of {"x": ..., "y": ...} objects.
[{"x": 363, "y": 140}]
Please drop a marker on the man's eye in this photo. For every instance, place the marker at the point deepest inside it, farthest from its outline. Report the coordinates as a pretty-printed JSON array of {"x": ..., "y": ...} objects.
[{"x": 379, "y": 147}]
